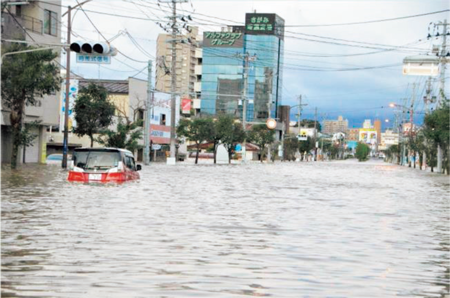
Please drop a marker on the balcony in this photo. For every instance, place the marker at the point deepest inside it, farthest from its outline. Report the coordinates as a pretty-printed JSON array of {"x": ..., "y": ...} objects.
[
  {"x": 198, "y": 86},
  {"x": 198, "y": 53},
  {"x": 196, "y": 104},
  {"x": 32, "y": 24},
  {"x": 198, "y": 70}
]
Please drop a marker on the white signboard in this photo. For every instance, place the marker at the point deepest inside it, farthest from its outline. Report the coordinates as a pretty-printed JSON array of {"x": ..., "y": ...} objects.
[
  {"x": 86, "y": 58},
  {"x": 156, "y": 147},
  {"x": 73, "y": 92}
]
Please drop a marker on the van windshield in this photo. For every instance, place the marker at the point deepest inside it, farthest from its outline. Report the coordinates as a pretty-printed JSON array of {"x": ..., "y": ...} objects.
[{"x": 96, "y": 160}]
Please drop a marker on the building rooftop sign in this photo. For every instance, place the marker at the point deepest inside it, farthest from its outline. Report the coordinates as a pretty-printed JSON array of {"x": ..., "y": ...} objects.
[
  {"x": 264, "y": 24},
  {"x": 223, "y": 39}
]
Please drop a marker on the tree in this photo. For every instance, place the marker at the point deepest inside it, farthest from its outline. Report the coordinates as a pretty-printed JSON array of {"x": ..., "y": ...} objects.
[
  {"x": 93, "y": 111},
  {"x": 126, "y": 135},
  {"x": 261, "y": 136},
  {"x": 308, "y": 123},
  {"x": 362, "y": 152},
  {"x": 305, "y": 146},
  {"x": 230, "y": 132},
  {"x": 290, "y": 148},
  {"x": 128, "y": 132},
  {"x": 27, "y": 137},
  {"x": 437, "y": 131},
  {"x": 25, "y": 77},
  {"x": 198, "y": 131}
]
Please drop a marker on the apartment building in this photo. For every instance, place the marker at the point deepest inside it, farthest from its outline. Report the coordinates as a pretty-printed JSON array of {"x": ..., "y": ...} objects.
[
  {"x": 37, "y": 22},
  {"x": 334, "y": 126},
  {"x": 187, "y": 59}
]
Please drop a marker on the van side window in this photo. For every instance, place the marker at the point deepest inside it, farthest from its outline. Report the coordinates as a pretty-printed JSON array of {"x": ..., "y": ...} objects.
[{"x": 130, "y": 162}]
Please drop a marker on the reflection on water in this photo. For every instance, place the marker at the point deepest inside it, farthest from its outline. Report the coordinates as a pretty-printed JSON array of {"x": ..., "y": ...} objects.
[{"x": 340, "y": 229}]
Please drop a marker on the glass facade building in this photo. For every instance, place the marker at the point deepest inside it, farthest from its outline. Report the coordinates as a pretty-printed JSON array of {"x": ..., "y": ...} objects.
[{"x": 223, "y": 72}]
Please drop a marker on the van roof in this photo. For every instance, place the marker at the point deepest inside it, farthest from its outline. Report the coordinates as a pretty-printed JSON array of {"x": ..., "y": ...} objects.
[{"x": 104, "y": 149}]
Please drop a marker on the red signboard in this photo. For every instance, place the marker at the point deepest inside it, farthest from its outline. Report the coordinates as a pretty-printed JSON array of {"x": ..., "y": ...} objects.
[{"x": 186, "y": 105}]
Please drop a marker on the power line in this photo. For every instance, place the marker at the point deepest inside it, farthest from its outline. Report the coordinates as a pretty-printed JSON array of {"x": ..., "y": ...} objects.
[{"x": 373, "y": 21}]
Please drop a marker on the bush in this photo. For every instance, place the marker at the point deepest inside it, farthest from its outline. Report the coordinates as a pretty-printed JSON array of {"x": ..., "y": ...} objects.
[{"x": 362, "y": 152}]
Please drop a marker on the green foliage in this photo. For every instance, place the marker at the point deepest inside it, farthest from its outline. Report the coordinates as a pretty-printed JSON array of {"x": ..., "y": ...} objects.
[
  {"x": 229, "y": 132},
  {"x": 307, "y": 145},
  {"x": 126, "y": 135},
  {"x": 261, "y": 136},
  {"x": 362, "y": 152},
  {"x": 198, "y": 130},
  {"x": 25, "y": 77},
  {"x": 93, "y": 111},
  {"x": 291, "y": 146}
]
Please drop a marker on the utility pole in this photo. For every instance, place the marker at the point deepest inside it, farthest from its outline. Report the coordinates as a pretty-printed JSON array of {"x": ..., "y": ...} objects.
[
  {"x": 403, "y": 121},
  {"x": 173, "y": 85},
  {"x": 148, "y": 116},
  {"x": 442, "y": 87},
  {"x": 247, "y": 58},
  {"x": 66, "y": 107},
  {"x": 315, "y": 134},
  {"x": 299, "y": 112},
  {"x": 411, "y": 121}
]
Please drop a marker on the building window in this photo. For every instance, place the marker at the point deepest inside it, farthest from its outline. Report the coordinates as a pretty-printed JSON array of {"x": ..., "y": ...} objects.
[
  {"x": 50, "y": 22},
  {"x": 162, "y": 120},
  {"x": 140, "y": 117}
]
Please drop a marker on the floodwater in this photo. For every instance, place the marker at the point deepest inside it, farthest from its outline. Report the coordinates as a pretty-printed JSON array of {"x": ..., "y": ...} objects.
[{"x": 325, "y": 229}]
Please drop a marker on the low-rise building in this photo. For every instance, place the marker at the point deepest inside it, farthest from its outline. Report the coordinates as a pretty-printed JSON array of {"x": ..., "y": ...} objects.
[
  {"x": 353, "y": 134},
  {"x": 388, "y": 138},
  {"x": 129, "y": 96}
]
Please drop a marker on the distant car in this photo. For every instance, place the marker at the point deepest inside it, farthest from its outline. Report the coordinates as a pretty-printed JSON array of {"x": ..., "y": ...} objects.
[{"x": 56, "y": 158}]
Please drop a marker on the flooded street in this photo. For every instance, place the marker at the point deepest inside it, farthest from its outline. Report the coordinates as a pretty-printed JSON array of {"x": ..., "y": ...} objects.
[{"x": 332, "y": 229}]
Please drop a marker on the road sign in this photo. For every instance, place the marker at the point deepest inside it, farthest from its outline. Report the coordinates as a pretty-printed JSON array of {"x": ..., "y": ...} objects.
[
  {"x": 156, "y": 147},
  {"x": 96, "y": 59}
]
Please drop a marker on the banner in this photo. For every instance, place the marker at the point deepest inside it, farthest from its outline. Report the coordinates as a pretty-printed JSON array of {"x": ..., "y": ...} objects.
[
  {"x": 186, "y": 106},
  {"x": 73, "y": 92}
]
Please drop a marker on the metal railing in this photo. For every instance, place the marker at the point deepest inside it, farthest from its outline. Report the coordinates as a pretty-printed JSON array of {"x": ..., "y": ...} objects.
[{"x": 32, "y": 24}]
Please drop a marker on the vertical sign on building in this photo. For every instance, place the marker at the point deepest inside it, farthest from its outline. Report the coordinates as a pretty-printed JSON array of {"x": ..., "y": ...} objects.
[{"x": 73, "y": 92}]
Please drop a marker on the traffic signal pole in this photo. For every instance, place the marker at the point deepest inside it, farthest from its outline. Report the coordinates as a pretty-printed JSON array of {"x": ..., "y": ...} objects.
[
  {"x": 66, "y": 107},
  {"x": 148, "y": 116}
]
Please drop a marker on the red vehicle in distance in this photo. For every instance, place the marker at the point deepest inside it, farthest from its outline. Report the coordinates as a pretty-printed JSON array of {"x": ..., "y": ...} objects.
[{"x": 103, "y": 165}]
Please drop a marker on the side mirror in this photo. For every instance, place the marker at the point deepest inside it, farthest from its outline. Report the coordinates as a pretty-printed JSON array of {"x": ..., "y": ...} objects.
[{"x": 138, "y": 167}]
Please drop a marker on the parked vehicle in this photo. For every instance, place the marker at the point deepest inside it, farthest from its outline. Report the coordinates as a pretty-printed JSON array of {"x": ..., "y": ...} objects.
[
  {"x": 103, "y": 165},
  {"x": 56, "y": 159}
]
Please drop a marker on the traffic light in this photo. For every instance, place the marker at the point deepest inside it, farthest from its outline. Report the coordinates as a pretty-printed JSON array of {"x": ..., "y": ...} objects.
[{"x": 97, "y": 48}]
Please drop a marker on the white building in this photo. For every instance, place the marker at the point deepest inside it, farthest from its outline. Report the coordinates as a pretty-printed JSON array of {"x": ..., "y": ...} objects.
[{"x": 388, "y": 138}]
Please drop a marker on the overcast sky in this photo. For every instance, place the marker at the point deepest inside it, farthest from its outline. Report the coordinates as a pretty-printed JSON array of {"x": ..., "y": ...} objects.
[{"x": 336, "y": 85}]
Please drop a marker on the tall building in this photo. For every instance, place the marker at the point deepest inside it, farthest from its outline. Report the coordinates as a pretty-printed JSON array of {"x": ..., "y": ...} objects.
[
  {"x": 367, "y": 123},
  {"x": 334, "y": 126},
  {"x": 36, "y": 22},
  {"x": 261, "y": 42},
  {"x": 187, "y": 59},
  {"x": 377, "y": 126}
]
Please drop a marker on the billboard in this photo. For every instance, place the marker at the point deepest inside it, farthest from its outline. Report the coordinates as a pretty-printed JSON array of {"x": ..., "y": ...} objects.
[
  {"x": 223, "y": 39},
  {"x": 73, "y": 92},
  {"x": 368, "y": 135},
  {"x": 264, "y": 24},
  {"x": 186, "y": 105}
]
